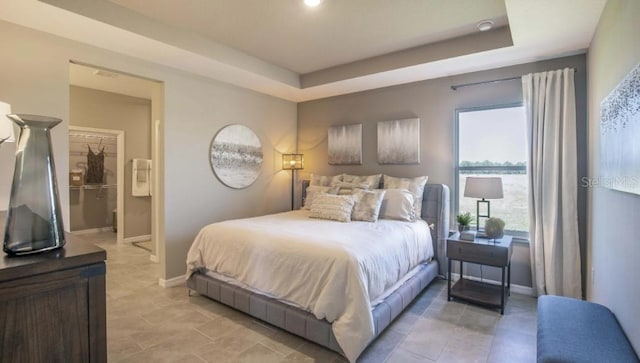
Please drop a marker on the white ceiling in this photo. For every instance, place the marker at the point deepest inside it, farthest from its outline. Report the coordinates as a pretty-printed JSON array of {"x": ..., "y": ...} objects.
[
  {"x": 271, "y": 46},
  {"x": 303, "y": 39}
]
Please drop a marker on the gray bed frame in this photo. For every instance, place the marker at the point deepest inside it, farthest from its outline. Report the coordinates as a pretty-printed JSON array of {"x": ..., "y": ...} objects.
[{"x": 435, "y": 210}]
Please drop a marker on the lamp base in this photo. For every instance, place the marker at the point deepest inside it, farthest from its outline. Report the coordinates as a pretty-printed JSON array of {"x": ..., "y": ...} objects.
[
  {"x": 478, "y": 215},
  {"x": 293, "y": 173}
]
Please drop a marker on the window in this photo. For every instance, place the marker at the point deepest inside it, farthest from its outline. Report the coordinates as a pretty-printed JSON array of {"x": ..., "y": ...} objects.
[{"x": 492, "y": 142}]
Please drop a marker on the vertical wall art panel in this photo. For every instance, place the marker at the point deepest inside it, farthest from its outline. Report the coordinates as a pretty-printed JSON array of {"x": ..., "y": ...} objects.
[
  {"x": 620, "y": 132},
  {"x": 345, "y": 145},
  {"x": 399, "y": 141}
]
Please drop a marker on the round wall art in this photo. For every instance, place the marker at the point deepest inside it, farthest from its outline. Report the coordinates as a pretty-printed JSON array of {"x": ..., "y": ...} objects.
[{"x": 236, "y": 156}]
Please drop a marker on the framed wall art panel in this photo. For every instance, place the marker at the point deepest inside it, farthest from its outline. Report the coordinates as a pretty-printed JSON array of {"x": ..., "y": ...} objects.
[
  {"x": 345, "y": 145},
  {"x": 619, "y": 135},
  {"x": 399, "y": 141}
]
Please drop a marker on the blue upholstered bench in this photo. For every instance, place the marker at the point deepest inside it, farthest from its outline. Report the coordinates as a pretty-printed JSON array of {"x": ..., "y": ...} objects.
[{"x": 572, "y": 330}]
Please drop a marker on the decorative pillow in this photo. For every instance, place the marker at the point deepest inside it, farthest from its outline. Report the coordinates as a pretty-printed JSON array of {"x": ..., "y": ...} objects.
[
  {"x": 346, "y": 185},
  {"x": 333, "y": 207},
  {"x": 348, "y": 188},
  {"x": 367, "y": 205},
  {"x": 414, "y": 185},
  {"x": 313, "y": 191},
  {"x": 373, "y": 181},
  {"x": 324, "y": 181},
  {"x": 398, "y": 204}
]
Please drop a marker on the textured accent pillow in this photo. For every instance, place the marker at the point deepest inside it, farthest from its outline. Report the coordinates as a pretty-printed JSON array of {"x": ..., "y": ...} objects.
[
  {"x": 368, "y": 203},
  {"x": 346, "y": 185},
  {"x": 373, "y": 181},
  {"x": 414, "y": 185},
  {"x": 333, "y": 207},
  {"x": 348, "y": 188},
  {"x": 324, "y": 181},
  {"x": 398, "y": 204},
  {"x": 315, "y": 190}
]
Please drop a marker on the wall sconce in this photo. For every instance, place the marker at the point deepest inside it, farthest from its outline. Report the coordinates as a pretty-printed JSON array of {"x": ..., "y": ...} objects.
[
  {"x": 483, "y": 187},
  {"x": 6, "y": 125},
  {"x": 292, "y": 162}
]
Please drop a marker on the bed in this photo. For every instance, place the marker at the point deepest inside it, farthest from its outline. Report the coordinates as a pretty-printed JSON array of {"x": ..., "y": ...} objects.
[{"x": 337, "y": 298}]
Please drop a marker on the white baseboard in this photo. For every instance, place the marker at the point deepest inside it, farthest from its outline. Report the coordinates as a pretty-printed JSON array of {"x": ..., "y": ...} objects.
[
  {"x": 143, "y": 238},
  {"x": 93, "y": 230},
  {"x": 518, "y": 289},
  {"x": 176, "y": 281},
  {"x": 154, "y": 258}
]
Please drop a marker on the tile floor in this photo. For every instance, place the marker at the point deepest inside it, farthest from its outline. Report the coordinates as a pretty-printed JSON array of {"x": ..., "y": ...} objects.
[{"x": 147, "y": 323}]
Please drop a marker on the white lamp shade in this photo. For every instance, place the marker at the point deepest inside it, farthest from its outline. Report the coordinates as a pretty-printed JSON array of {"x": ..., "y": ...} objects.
[
  {"x": 6, "y": 125},
  {"x": 483, "y": 187}
]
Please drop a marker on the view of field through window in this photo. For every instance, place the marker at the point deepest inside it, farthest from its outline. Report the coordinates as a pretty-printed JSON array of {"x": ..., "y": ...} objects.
[{"x": 492, "y": 143}]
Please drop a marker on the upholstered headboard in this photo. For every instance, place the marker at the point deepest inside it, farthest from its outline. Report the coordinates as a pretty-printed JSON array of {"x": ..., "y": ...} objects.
[{"x": 435, "y": 210}]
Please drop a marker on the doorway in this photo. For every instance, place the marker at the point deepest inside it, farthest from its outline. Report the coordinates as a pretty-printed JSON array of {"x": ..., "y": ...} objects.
[{"x": 110, "y": 100}]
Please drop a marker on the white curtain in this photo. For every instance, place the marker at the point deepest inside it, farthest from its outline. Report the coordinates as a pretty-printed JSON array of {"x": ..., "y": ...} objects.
[{"x": 549, "y": 99}]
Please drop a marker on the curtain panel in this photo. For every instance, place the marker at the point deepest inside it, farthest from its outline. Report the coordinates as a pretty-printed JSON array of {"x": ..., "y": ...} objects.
[{"x": 549, "y": 99}]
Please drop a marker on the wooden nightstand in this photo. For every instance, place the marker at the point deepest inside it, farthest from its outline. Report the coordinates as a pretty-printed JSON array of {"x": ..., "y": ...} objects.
[{"x": 482, "y": 251}]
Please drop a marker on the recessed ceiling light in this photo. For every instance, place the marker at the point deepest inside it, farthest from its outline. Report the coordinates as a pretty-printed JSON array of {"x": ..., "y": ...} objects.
[
  {"x": 485, "y": 25},
  {"x": 312, "y": 3}
]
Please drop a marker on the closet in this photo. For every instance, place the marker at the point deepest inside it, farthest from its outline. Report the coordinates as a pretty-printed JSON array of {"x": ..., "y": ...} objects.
[{"x": 93, "y": 180}]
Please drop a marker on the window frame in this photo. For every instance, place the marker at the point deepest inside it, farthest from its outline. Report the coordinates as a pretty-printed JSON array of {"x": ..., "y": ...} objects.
[{"x": 520, "y": 236}]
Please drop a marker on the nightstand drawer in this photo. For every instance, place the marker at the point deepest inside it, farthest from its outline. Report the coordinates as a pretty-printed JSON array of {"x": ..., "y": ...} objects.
[{"x": 478, "y": 253}]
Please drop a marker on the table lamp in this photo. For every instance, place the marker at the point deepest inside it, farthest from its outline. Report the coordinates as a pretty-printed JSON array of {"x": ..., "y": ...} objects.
[{"x": 485, "y": 188}]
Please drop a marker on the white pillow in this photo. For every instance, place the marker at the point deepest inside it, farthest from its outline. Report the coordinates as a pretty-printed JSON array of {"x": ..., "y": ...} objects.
[
  {"x": 313, "y": 191},
  {"x": 324, "y": 181},
  {"x": 346, "y": 185},
  {"x": 333, "y": 207},
  {"x": 368, "y": 203},
  {"x": 414, "y": 185},
  {"x": 348, "y": 188},
  {"x": 398, "y": 204},
  {"x": 373, "y": 181}
]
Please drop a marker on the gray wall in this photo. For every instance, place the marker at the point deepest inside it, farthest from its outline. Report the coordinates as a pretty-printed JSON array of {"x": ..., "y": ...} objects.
[
  {"x": 106, "y": 110},
  {"x": 613, "y": 248},
  {"x": 34, "y": 78},
  {"x": 434, "y": 103}
]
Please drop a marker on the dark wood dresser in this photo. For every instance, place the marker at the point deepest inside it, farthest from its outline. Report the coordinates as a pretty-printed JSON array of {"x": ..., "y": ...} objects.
[{"x": 53, "y": 305}]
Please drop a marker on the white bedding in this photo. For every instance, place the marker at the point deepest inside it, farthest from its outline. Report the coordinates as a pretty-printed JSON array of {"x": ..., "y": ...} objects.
[{"x": 335, "y": 270}]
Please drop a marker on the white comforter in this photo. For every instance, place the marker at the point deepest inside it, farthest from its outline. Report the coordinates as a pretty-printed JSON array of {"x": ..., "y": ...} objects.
[{"x": 335, "y": 270}]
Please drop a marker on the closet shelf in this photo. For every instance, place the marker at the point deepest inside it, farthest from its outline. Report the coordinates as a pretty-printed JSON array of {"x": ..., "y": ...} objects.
[
  {"x": 93, "y": 186},
  {"x": 107, "y": 153}
]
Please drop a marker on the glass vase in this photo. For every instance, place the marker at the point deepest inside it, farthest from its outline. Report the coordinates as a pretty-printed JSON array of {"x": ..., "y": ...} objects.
[{"x": 34, "y": 218}]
